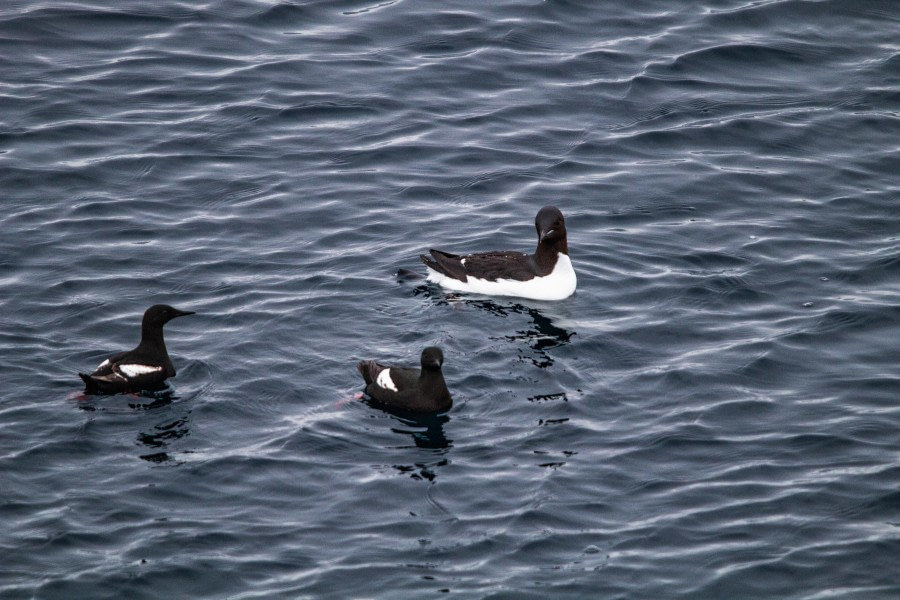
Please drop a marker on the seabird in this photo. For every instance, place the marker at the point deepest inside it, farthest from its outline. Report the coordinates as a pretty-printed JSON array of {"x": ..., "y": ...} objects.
[
  {"x": 145, "y": 367},
  {"x": 404, "y": 388},
  {"x": 545, "y": 275}
]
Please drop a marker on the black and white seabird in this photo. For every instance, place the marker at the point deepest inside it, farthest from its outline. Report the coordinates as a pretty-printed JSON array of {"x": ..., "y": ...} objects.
[
  {"x": 545, "y": 275},
  {"x": 145, "y": 367},
  {"x": 417, "y": 390}
]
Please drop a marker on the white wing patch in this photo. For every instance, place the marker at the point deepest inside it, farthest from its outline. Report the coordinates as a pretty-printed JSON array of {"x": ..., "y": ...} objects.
[
  {"x": 384, "y": 380},
  {"x": 103, "y": 364},
  {"x": 135, "y": 370}
]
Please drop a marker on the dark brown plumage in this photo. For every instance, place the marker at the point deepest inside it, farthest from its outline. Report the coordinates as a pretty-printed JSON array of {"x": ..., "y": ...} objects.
[
  {"x": 403, "y": 388},
  {"x": 490, "y": 266},
  {"x": 545, "y": 275},
  {"x": 145, "y": 367}
]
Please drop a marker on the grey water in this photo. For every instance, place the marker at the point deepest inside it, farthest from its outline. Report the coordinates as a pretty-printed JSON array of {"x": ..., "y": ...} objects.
[{"x": 713, "y": 414}]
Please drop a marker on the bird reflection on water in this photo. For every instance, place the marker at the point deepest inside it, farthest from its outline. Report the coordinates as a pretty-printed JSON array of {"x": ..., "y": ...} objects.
[
  {"x": 426, "y": 429},
  {"x": 161, "y": 435},
  {"x": 426, "y": 432},
  {"x": 544, "y": 335}
]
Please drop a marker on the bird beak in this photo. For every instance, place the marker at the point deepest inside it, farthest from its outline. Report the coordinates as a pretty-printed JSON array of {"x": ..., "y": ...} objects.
[
  {"x": 546, "y": 234},
  {"x": 184, "y": 313}
]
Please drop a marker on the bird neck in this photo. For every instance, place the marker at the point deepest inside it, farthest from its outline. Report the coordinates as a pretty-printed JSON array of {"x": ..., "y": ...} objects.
[
  {"x": 546, "y": 254},
  {"x": 152, "y": 338},
  {"x": 431, "y": 378},
  {"x": 433, "y": 386}
]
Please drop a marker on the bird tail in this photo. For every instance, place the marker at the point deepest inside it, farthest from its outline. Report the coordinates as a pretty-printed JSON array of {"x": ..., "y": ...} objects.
[
  {"x": 90, "y": 386},
  {"x": 369, "y": 370},
  {"x": 449, "y": 265}
]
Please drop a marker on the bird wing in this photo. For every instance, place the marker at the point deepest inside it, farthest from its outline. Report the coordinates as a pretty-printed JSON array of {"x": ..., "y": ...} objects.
[
  {"x": 369, "y": 369},
  {"x": 390, "y": 385},
  {"x": 140, "y": 375},
  {"x": 107, "y": 367},
  {"x": 489, "y": 266},
  {"x": 405, "y": 378},
  {"x": 125, "y": 371},
  {"x": 446, "y": 263}
]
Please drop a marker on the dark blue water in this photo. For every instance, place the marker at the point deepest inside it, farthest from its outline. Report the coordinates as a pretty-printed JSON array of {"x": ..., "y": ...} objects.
[{"x": 714, "y": 413}]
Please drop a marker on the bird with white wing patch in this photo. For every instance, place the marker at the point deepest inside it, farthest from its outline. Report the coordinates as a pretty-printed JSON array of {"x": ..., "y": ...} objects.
[
  {"x": 404, "y": 388},
  {"x": 145, "y": 367}
]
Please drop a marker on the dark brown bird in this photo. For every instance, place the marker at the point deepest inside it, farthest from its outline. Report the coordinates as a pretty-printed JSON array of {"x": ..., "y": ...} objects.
[
  {"x": 417, "y": 390},
  {"x": 145, "y": 367}
]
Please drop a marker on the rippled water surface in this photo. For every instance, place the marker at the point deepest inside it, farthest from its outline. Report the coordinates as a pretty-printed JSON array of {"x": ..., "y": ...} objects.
[{"x": 714, "y": 413}]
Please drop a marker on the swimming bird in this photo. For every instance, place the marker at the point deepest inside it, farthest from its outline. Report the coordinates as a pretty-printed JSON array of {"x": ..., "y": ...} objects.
[
  {"x": 145, "y": 367},
  {"x": 404, "y": 388},
  {"x": 545, "y": 275}
]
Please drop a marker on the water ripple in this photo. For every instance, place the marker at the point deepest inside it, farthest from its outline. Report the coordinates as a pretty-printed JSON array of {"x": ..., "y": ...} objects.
[{"x": 712, "y": 414}]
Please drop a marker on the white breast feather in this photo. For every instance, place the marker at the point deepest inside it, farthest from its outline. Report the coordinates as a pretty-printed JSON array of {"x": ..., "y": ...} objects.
[
  {"x": 559, "y": 284},
  {"x": 135, "y": 370},
  {"x": 384, "y": 380}
]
